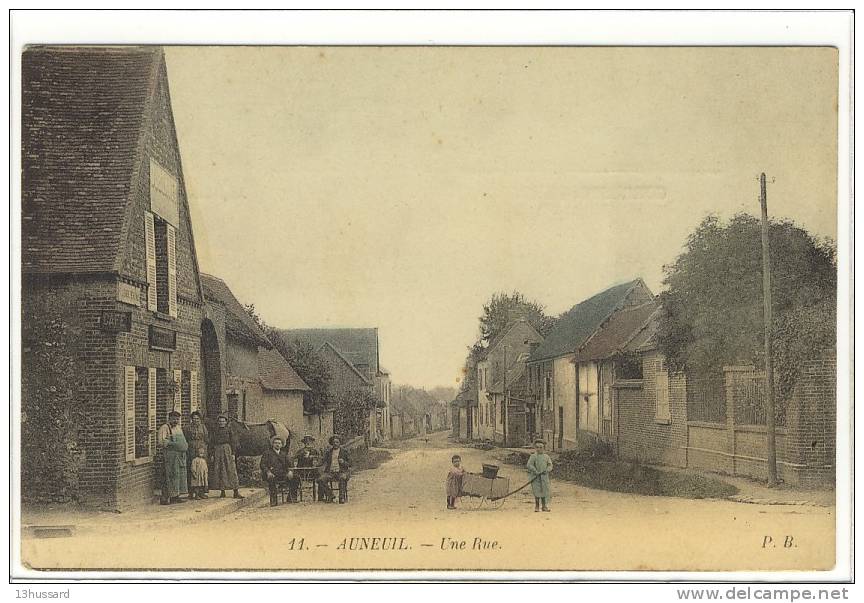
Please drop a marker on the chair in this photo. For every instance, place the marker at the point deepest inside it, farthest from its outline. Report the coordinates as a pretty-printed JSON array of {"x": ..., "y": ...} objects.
[{"x": 343, "y": 496}]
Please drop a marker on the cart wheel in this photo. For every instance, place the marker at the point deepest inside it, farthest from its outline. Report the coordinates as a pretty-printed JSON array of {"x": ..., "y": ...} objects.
[
  {"x": 473, "y": 502},
  {"x": 496, "y": 503}
]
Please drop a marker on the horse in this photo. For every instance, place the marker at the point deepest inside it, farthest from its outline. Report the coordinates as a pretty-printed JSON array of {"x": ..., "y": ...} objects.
[{"x": 254, "y": 438}]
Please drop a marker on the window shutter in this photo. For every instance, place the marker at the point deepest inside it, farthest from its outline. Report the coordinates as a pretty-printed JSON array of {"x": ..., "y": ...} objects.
[
  {"x": 129, "y": 404},
  {"x": 150, "y": 240},
  {"x": 151, "y": 407},
  {"x": 193, "y": 391},
  {"x": 178, "y": 379},
  {"x": 662, "y": 413},
  {"x": 172, "y": 271}
]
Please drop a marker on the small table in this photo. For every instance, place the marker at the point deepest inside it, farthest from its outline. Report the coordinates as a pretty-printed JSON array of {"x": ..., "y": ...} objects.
[{"x": 307, "y": 476}]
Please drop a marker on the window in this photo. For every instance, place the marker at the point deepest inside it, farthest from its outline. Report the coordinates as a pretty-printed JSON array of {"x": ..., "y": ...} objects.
[
  {"x": 140, "y": 404},
  {"x": 662, "y": 410},
  {"x": 161, "y": 246},
  {"x": 628, "y": 366},
  {"x": 160, "y": 233}
]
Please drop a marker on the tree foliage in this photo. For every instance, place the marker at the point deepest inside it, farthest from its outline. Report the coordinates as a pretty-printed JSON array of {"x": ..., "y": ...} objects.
[
  {"x": 713, "y": 313},
  {"x": 54, "y": 420},
  {"x": 503, "y": 308},
  {"x": 351, "y": 414}
]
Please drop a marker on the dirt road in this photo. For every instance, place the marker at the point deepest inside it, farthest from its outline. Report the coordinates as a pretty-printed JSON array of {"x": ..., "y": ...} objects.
[{"x": 402, "y": 505}]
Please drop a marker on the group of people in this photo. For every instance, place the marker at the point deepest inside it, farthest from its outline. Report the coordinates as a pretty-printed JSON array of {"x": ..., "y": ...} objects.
[
  {"x": 539, "y": 466},
  {"x": 185, "y": 457},
  {"x": 197, "y": 461},
  {"x": 282, "y": 470}
]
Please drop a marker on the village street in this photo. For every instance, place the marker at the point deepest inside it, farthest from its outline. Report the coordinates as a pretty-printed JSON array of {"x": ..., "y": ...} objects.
[{"x": 403, "y": 499}]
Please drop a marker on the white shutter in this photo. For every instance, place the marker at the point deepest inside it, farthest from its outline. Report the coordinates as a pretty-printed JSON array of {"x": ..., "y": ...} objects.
[
  {"x": 151, "y": 407},
  {"x": 172, "y": 271},
  {"x": 150, "y": 240},
  {"x": 178, "y": 400},
  {"x": 193, "y": 391},
  {"x": 129, "y": 405},
  {"x": 662, "y": 413}
]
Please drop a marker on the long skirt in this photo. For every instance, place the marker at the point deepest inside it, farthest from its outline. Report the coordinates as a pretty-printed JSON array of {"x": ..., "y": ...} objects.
[{"x": 223, "y": 474}]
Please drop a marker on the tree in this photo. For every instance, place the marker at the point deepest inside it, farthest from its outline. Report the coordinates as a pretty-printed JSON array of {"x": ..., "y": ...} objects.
[
  {"x": 351, "y": 416},
  {"x": 712, "y": 305},
  {"x": 502, "y": 309}
]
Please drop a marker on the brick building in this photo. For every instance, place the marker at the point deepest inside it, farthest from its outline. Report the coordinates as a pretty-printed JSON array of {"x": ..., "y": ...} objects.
[
  {"x": 109, "y": 271},
  {"x": 245, "y": 376},
  {"x": 717, "y": 422}
]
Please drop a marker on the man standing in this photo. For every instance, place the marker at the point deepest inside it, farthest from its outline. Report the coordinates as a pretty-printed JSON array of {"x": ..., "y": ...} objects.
[
  {"x": 173, "y": 443},
  {"x": 336, "y": 466}
]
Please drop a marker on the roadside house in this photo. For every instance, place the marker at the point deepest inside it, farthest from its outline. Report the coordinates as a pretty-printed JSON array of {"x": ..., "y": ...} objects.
[
  {"x": 358, "y": 347},
  {"x": 111, "y": 296},
  {"x": 245, "y": 376},
  {"x": 552, "y": 374}
]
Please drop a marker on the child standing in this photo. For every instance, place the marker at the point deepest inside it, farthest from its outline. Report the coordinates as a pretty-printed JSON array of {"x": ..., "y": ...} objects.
[
  {"x": 199, "y": 474},
  {"x": 454, "y": 481},
  {"x": 539, "y": 466}
]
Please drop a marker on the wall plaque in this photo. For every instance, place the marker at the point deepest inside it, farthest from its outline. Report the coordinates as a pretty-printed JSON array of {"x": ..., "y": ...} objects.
[
  {"x": 128, "y": 294},
  {"x": 115, "y": 321},
  {"x": 162, "y": 339}
]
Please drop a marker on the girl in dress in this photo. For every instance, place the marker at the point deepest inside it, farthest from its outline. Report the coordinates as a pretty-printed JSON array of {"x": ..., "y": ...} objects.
[{"x": 454, "y": 481}]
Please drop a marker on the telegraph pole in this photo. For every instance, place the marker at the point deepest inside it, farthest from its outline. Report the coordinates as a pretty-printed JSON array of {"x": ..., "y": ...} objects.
[
  {"x": 504, "y": 409},
  {"x": 769, "y": 348}
]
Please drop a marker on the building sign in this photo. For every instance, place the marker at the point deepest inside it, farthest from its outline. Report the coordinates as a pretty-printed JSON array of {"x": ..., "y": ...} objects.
[
  {"x": 163, "y": 194},
  {"x": 115, "y": 321},
  {"x": 162, "y": 339},
  {"x": 128, "y": 294}
]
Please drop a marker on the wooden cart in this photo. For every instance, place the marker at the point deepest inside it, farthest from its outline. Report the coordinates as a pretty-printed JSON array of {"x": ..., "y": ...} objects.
[{"x": 477, "y": 490}]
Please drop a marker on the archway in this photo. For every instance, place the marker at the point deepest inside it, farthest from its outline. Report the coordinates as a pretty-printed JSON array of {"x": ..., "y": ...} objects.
[{"x": 211, "y": 365}]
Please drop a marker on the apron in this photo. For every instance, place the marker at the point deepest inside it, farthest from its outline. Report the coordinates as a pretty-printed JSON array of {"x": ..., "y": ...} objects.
[
  {"x": 175, "y": 465},
  {"x": 539, "y": 465}
]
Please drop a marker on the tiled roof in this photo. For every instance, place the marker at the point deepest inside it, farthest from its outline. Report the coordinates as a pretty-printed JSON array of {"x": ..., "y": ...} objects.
[
  {"x": 238, "y": 324},
  {"x": 82, "y": 114},
  {"x": 358, "y": 345},
  {"x": 614, "y": 335},
  {"x": 347, "y": 362},
  {"x": 275, "y": 373},
  {"x": 646, "y": 337},
  {"x": 578, "y": 323}
]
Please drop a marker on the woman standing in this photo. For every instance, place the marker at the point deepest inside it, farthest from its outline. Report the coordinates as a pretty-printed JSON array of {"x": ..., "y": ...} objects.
[
  {"x": 224, "y": 474},
  {"x": 539, "y": 466},
  {"x": 196, "y": 436}
]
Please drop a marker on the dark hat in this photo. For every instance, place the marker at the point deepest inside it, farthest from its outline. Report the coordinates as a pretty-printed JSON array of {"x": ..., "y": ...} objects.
[
  {"x": 173, "y": 413},
  {"x": 333, "y": 437},
  {"x": 307, "y": 438},
  {"x": 196, "y": 413}
]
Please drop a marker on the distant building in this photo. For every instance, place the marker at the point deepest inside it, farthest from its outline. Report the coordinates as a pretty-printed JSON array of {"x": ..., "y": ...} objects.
[
  {"x": 357, "y": 348},
  {"x": 504, "y": 403}
]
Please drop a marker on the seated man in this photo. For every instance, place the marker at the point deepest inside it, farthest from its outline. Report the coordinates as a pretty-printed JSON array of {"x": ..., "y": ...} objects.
[
  {"x": 307, "y": 459},
  {"x": 276, "y": 469},
  {"x": 336, "y": 466}
]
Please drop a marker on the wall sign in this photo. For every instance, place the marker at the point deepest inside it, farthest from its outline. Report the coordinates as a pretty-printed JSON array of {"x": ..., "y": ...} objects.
[
  {"x": 162, "y": 339},
  {"x": 115, "y": 321},
  {"x": 163, "y": 194},
  {"x": 128, "y": 294}
]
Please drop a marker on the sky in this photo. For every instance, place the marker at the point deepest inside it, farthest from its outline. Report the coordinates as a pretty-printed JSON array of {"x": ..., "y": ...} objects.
[{"x": 400, "y": 188}]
